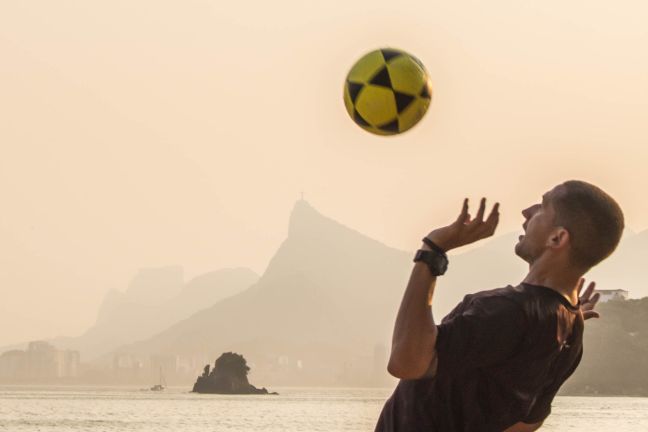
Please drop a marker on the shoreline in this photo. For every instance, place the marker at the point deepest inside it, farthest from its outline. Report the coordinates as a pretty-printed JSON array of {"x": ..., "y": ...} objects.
[{"x": 187, "y": 389}]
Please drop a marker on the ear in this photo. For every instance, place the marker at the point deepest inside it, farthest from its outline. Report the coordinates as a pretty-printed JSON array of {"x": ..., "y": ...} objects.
[{"x": 559, "y": 238}]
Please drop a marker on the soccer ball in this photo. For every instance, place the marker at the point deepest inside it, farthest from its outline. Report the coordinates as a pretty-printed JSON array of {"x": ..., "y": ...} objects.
[{"x": 387, "y": 91}]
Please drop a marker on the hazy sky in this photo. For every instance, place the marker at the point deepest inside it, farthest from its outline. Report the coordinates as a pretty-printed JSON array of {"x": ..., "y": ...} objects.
[{"x": 148, "y": 133}]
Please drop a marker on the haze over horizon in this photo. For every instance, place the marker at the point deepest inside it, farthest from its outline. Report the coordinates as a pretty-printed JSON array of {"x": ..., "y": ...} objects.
[{"x": 144, "y": 134}]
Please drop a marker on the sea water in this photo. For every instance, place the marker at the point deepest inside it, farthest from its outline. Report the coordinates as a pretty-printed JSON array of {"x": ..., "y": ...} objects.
[{"x": 294, "y": 410}]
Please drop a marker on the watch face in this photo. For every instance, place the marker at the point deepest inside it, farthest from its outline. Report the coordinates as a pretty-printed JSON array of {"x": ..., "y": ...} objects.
[
  {"x": 437, "y": 263},
  {"x": 443, "y": 265}
]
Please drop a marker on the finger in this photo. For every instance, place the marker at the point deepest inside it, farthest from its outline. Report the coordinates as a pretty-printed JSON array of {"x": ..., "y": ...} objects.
[
  {"x": 591, "y": 314},
  {"x": 476, "y": 224},
  {"x": 595, "y": 298},
  {"x": 589, "y": 290},
  {"x": 480, "y": 213},
  {"x": 492, "y": 220},
  {"x": 586, "y": 295},
  {"x": 581, "y": 282},
  {"x": 464, "y": 212},
  {"x": 591, "y": 303},
  {"x": 494, "y": 214}
]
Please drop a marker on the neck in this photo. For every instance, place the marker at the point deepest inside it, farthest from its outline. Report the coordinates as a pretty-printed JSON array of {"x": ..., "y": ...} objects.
[{"x": 556, "y": 276}]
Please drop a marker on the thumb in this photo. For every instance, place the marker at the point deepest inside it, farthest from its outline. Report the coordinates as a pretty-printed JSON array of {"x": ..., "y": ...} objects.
[{"x": 590, "y": 314}]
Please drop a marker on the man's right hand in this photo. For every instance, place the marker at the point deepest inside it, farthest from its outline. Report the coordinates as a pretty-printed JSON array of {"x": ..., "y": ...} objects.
[
  {"x": 464, "y": 230},
  {"x": 587, "y": 300}
]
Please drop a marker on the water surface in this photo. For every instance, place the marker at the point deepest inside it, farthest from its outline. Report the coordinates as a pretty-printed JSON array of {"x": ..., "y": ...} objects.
[{"x": 294, "y": 410}]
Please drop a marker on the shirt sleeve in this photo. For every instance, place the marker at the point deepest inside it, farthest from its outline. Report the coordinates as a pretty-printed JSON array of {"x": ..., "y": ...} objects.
[
  {"x": 481, "y": 332},
  {"x": 542, "y": 406}
]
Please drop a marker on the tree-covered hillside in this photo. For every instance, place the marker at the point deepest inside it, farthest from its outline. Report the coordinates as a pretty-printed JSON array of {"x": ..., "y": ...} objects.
[{"x": 615, "y": 360}]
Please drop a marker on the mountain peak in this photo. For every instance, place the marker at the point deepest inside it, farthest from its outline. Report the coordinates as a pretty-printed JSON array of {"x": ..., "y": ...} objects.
[
  {"x": 304, "y": 218},
  {"x": 156, "y": 285}
]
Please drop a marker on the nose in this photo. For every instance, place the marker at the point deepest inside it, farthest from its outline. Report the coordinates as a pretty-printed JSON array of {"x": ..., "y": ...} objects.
[{"x": 529, "y": 211}]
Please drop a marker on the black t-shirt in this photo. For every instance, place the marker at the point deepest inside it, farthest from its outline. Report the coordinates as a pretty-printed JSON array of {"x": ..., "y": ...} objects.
[{"x": 502, "y": 356}]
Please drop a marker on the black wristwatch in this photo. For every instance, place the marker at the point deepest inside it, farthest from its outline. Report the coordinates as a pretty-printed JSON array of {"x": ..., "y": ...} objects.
[{"x": 436, "y": 261}]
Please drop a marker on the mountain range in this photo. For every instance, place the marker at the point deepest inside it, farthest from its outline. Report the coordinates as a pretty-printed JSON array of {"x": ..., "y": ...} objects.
[
  {"x": 321, "y": 313},
  {"x": 330, "y": 294},
  {"x": 155, "y": 299}
]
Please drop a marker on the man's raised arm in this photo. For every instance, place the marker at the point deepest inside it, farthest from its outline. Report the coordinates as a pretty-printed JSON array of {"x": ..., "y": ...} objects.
[{"x": 413, "y": 353}]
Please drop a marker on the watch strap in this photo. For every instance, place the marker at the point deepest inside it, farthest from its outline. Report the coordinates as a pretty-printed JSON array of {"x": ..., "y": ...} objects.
[{"x": 433, "y": 246}]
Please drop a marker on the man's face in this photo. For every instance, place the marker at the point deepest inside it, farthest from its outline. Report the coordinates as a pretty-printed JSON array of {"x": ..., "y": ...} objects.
[{"x": 538, "y": 226}]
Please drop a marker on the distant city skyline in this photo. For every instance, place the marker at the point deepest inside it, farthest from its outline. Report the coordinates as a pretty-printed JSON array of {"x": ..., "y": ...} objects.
[
  {"x": 310, "y": 319},
  {"x": 145, "y": 134}
]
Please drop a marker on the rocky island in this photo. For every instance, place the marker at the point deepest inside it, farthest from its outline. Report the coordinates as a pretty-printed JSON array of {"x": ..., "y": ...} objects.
[{"x": 229, "y": 376}]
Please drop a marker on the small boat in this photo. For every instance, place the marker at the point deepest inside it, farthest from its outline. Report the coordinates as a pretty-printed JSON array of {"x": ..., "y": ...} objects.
[{"x": 161, "y": 385}]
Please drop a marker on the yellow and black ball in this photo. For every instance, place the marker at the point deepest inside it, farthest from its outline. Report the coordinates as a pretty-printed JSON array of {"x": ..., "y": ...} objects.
[{"x": 387, "y": 91}]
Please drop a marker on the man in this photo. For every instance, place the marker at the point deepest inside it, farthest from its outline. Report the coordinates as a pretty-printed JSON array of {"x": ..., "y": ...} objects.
[{"x": 497, "y": 360}]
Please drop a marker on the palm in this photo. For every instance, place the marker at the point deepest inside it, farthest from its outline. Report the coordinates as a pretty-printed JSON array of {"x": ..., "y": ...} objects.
[{"x": 465, "y": 230}]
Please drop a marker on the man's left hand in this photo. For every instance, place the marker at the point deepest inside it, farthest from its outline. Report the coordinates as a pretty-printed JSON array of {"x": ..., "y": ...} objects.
[{"x": 587, "y": 300}]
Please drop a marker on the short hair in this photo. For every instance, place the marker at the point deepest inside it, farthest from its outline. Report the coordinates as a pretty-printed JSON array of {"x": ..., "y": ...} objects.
[{"x": 593, "y": 218}]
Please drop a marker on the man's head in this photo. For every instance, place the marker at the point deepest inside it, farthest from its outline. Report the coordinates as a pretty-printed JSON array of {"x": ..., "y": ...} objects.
[{"x": 576, "y": 222}]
